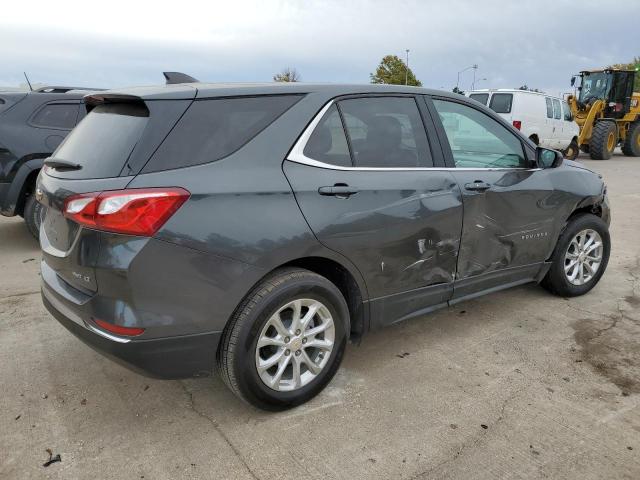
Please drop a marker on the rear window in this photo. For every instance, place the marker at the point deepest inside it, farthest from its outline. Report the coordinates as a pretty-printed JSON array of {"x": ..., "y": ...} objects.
[
  {"x": 103, "y": 140},
  {"x": 480, "y": 97},
  {"x": 56, "y": 115},
  {"x": 501, "y": 102},
  {"x": 213, "y": 129}
]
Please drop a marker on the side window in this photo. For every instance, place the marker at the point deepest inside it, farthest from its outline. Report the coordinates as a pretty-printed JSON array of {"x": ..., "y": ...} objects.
[
  {"x": 480, "y": 97},
  {"x": 477, "y": 140},
  {"x": 549, "y": 107},
  {"x": 556, "y": 109},
  {"x": 501, "y": 102},
  {"x": 212, "y": 129},
  {"x": 386, "y": 132},
  {"x": 567, "y": 112},
  {"x": 328, "y": 142},
  {"x": 56, "y": 115}
]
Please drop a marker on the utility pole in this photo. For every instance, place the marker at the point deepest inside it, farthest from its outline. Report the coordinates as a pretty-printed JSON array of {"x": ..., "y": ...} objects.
[
  {"x": 473, "y": 83},
  {"x": 406, "y": 72},
  {"x": 475, "y": 67}
]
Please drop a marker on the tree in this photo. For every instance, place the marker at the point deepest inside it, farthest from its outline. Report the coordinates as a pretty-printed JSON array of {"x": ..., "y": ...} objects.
[
  {"x": 457, "y": 90},
  {"x": 634, "y": 65},
  {"x": 393, "y": 71},
  {"x": 287, "y": 75},
  {"x": 525, "y": 87}
]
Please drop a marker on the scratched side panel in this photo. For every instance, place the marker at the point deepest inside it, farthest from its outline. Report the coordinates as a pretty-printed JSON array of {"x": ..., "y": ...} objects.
[
  {"x": 402, "y": 230},
  {"x": 517, "y": 221}
]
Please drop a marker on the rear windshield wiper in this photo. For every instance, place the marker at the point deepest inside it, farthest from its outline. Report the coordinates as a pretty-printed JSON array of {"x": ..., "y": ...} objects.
[{"x": 60, "y": 164}]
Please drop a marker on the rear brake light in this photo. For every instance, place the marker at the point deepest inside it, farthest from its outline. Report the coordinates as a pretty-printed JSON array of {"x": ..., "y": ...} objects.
[
  {"x": 517, "y": 124},
  {"x": 133, "y": 211},
  {"x": 119, "y": 330}
]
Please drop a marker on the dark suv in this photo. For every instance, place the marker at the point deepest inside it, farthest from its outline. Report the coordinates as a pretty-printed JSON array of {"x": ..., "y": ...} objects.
[
  {"x": 259, "y": 227},
  {"x": 32, "y": 125}
]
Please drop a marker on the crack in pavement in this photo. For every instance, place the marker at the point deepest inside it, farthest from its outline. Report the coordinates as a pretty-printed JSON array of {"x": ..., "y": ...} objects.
[
  {"x": 217, "y": 428},
  {"x": 22, "y": 294},
  {"x": 476, "y": 441}
]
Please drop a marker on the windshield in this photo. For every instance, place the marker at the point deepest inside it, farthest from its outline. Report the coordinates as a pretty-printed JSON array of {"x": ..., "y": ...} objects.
[{"x": 595, "y": 85}]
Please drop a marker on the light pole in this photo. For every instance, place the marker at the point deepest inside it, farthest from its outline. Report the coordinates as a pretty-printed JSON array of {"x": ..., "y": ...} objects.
[
  {"x": 475, "y": 67},
  {"x": 406, "y": 72}
]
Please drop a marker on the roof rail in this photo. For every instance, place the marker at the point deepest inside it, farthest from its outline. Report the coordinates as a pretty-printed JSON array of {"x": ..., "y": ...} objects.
[
  {"x": 52, "y": 89},
  {"x": 178, "y": 77}
]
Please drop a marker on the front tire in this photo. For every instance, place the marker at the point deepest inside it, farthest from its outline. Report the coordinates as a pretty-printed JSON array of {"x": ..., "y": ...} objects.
[
  {"x": 580, "y": 257},
  {"x": 33, "y": 215},
  {"x": 631, "y": 146},
  {"x": 571, "y": 152},
  {"x": 285, "y": 341},
  {"x": 603, "y": 140}
]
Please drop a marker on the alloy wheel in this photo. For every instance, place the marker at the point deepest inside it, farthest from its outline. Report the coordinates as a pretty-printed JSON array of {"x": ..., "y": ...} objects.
[
  {"x": 583, "y": 257},
  {"x": 295, "y": 344}
]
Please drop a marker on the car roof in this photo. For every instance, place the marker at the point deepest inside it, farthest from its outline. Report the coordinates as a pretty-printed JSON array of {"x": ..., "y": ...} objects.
[
  {"x": 513, "y": 90},
  {"x": 208, "y": 90}
]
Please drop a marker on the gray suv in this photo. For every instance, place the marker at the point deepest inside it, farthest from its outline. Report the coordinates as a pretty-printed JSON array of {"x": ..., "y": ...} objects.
[{"x": 258, "y": 228}]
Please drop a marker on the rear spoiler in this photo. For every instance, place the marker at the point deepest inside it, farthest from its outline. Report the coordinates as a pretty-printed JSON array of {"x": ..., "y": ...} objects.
[{"x": 178, "y": 77}]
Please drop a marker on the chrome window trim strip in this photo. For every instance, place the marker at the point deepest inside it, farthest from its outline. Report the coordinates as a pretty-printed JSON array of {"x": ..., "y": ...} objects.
[{"x": 297, "y": 155}]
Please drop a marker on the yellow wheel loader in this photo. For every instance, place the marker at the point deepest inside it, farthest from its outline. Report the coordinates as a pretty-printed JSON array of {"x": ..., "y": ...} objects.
[{"x": 607, "y": 111}]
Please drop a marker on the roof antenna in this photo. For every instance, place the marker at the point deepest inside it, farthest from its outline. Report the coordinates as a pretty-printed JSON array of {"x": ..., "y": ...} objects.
[{"x": 25, "y": 76}]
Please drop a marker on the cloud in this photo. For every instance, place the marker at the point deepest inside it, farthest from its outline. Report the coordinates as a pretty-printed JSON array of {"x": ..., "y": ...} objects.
[{"x": 121, "y": 43}]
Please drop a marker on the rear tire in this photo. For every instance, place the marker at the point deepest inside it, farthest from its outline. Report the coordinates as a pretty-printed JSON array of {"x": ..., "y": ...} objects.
[
  {"x": 268, "y": 314},
  {"x": 33, "y": 215},
  {"x": 585, "y": 148},
  {"x": 557, "y": 279},
  {"x": 631, "y": 146},
  {"x": 571, "y": 152},
  {"x": 603, "y": 140}
]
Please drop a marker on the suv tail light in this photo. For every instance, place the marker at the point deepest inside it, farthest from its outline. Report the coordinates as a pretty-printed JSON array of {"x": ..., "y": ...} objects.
[
  {"x": 517, "y": 124},
  {"x": 136, "y": 211}
]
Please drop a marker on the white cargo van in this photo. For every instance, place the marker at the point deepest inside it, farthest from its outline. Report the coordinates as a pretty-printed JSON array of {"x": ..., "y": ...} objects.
[{"x": 543, "y": 118}]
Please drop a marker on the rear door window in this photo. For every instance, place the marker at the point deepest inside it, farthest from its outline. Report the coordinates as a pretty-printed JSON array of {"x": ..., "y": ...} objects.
[
  {"x": 56, "y": 115},
  {"x": 501, "y": 102},
  {"x": 328, "y": 142},
  {"x": 549, "y": 107},
  {"x": 557, "y": 114},
  {"x": 480, "y": 97},
  {"x": 103, "y": 140},
  {"x": 215, "y": 128},
  {"x": 386, "y": 132}
]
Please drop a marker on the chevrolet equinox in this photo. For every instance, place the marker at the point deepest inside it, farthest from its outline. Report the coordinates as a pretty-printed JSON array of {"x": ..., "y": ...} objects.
[{"x": 255, "y": 229}]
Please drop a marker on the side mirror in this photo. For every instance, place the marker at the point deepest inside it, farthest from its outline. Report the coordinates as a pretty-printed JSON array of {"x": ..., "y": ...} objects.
[
  {"x": 573, "y": 81},
  {"x": 548, "y": 158}
]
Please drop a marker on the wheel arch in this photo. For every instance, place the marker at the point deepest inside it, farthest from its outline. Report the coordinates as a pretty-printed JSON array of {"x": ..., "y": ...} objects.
[{"x": 351, "y": 287}]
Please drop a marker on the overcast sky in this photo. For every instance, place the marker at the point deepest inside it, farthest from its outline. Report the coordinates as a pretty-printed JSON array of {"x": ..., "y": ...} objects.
[{"x": 117, "y": 43}]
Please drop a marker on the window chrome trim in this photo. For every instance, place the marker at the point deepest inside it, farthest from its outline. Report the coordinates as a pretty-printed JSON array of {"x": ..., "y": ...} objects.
[{"x": 297, "y": 155}]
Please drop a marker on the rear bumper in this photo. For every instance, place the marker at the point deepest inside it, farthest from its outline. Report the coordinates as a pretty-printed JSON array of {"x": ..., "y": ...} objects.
[{"x": 169, "y": 358}]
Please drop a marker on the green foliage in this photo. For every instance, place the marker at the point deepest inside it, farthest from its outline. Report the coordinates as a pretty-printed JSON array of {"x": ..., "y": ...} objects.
[
  {"x": 393, "y": 71},
  {"x": 634, "y": 64},
  {"x": 529, "y": 89},
  {"x": 287, "y": 75}
]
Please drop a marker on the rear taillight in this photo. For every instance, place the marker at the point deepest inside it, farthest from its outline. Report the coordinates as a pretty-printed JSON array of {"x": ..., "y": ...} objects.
[
  {"x": 133, "y": 211},
  {"x": 517, "y": 124},
  {"x": 119, "y": 330}
]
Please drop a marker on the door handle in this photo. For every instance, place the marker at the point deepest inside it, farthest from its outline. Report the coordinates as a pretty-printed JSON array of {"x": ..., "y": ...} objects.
[
  {"x": 477, "y": 186},
  {"x": 339, "y": 190}
]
